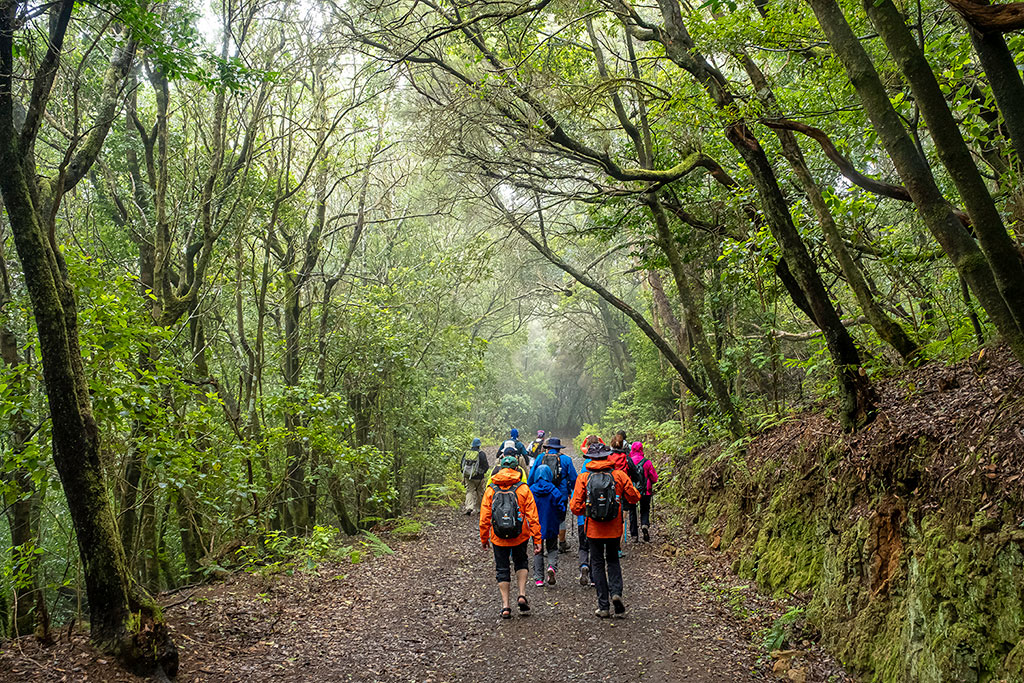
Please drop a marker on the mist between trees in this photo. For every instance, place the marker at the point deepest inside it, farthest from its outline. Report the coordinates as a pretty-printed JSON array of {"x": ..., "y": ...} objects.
[{"x": 278, "y": 276}]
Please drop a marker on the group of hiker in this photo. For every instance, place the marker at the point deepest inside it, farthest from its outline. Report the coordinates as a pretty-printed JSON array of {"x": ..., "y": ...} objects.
[{"x": 529, "y": 494}]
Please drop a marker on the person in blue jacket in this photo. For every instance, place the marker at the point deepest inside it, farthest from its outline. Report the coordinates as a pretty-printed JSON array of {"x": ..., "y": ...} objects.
[
  {"x": 550, "y": 509},
  {"x": 563, "y": 473}
]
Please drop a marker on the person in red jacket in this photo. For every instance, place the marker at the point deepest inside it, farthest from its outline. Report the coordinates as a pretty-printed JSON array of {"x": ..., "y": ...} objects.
[
  {"x": 604, "y": 537},
  {"x": 506, "y": 550}
]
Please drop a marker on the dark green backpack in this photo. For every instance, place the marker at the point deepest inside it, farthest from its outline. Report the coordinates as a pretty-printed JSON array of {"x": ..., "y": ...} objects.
[{"x": 506, "y": 519}]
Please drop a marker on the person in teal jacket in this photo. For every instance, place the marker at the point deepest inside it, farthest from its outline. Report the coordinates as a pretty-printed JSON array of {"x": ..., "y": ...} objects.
[{"x": 550, "y": 510}]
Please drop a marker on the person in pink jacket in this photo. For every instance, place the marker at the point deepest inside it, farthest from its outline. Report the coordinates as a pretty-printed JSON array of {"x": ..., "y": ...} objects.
[{"x": 648, "y": 477}]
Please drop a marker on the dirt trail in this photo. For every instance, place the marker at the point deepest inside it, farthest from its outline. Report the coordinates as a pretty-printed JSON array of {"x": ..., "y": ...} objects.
[{"x": 429, "y": 612}]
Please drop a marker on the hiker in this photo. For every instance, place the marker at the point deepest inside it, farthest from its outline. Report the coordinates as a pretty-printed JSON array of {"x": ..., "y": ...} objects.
[
  {"x": 537, "y": 447},
  {"x": 508, "y": 519},
  {"x": 621, "y": 461},
  {"x": 648, "y": 477},
  {"x": 520, "y": 465},
  {"x": 474, "y": 472},
  {"x": 514, "y": 442},
  {"x": 551, "y": 505},
  {"x": 581, "y": 527},
  {"x": 599, "y": 494},
  {"x": 563, "y": 473}
]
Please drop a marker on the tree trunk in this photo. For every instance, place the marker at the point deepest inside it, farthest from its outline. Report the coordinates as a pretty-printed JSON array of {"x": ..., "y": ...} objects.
[
  {"x": 886, "y": 328},
  {"x": 112, "y": 597},
  {"x": 667, "y": 243},
  {"x": 124, "y": 620},
  {"x": 913, "y": 168},
  {"x": 296, "y": 489},
  {"x": 857, "y": 396},
  {"x": 663, "y": 309}
]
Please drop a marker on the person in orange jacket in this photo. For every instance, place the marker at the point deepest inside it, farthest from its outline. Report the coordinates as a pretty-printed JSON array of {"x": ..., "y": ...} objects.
[
  {"x": 581, "y": 528},
  {"x": 604, "y": 535},
  {"x": 508, "y": 519}
]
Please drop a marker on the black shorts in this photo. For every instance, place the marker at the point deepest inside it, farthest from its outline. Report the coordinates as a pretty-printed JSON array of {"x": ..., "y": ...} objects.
[{"x": 503, "y": 554}]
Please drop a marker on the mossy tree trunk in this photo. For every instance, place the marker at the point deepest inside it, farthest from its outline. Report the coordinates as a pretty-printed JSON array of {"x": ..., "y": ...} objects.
[
  {"x": 691, "y": 312},
  {"x": 124, "y": 620}
]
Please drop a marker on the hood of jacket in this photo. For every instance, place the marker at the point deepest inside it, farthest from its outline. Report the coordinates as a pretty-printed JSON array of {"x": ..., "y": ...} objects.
[
  {"x": 636, "y": 451},
  {"x": 600, "y": 464},
  {"x": 544, "y": 474},
  {"x": 506, "y": 477},
  {"x": 542, "y": 487}
]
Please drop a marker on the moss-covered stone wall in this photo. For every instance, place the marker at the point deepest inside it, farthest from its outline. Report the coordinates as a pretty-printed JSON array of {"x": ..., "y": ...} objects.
[{"x": 906, "y": 585}]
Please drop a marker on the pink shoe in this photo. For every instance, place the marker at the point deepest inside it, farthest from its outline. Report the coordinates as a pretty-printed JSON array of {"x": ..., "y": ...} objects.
[
  {"x": 539, "y": 583},
  {"x": 551, "y": 575}
]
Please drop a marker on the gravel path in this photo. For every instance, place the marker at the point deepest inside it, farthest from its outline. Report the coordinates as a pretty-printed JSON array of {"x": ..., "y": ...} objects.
[{"x": 429, "y": 613}]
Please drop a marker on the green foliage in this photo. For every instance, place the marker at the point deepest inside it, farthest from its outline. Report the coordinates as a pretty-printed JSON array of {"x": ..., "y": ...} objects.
[{"x": 782, "y": 631}]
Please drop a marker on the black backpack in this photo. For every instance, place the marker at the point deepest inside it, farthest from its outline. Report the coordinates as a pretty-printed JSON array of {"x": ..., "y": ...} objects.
[
  {"x": 641, "y": 479},
  {"x": 554, "y": 462},
  {"x": 602, "y": 500},
  {"x": 506, "y": 520}
]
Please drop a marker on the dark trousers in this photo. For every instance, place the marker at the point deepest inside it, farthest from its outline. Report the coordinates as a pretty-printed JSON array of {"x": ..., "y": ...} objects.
[
  {"x": 503, "y": 554},
  {"x": 605, "y": 570},
  {"x": 645, "y": 515},
  {"x": 584, "y": 545}
]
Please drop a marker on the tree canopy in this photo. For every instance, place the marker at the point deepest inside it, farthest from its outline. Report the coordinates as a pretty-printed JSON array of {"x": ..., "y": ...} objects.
[{"x": 266, "y": 268}]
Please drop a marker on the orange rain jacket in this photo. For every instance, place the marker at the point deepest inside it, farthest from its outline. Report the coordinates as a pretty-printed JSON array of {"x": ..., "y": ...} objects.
[
  {"x": 504, "y": 479},
  {"x": 623, "y": 488}
]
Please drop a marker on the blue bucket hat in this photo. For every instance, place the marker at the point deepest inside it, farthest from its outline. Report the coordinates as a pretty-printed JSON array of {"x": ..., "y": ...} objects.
[{"x": 476, "y": 443}]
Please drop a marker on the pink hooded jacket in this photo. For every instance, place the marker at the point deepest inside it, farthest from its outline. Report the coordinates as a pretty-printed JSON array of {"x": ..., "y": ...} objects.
[{"x": 636, "y": 452}]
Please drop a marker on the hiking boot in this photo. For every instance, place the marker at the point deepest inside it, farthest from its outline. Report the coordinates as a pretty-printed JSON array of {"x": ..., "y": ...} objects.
[
  {"x": 584, "y": 576},
  {"x": 602, "y": 613},
  {"x": 563, "y": 546},
  {"x": 620, "y": 607},
  {"x": 539, "y": 583},
  {"x": 647, "y": 534},
  {"x": 551, "y": 576}
]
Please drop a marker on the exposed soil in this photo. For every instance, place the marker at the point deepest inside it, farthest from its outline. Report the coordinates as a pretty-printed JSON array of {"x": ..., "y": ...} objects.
[
  {"x": 965, "y": 417},
  {"x": 429, "y": 612}
]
